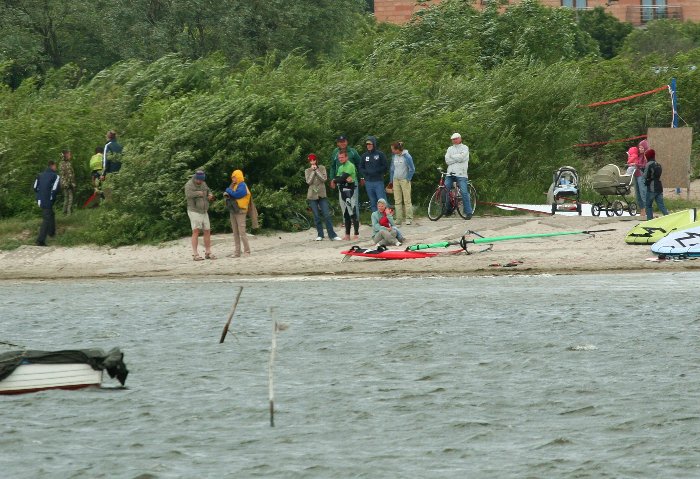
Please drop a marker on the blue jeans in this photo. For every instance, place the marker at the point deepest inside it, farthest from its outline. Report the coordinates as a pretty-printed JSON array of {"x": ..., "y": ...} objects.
[
  {"x": 640, "y": 191},
  {"x": 659, "y": 197},
  {"x": 463, "y": 184},
  {"x": 322, "y": 204},
  {"x": 375, "y": 190}
]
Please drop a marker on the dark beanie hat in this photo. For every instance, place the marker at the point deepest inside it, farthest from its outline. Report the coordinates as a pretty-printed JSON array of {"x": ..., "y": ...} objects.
[
  {"x": 199, "y": 175},
  {"x": 650, "y": 154}
]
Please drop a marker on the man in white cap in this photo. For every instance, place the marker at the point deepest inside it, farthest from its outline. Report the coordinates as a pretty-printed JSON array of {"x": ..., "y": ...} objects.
[{"x": 457, "y": 159}]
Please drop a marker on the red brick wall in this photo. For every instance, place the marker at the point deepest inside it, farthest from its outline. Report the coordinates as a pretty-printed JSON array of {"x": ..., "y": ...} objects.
[{"x": 400, "y": 11}]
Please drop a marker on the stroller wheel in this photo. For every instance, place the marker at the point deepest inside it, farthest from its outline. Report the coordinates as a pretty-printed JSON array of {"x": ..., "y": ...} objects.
[
  {"x": 609, "y": 211},
  {"x": 632, "y": 208},
  {"x": 618, "y": 208},
  {"x": 595, "y": 209},
  {"x": 554, "y": 208}
]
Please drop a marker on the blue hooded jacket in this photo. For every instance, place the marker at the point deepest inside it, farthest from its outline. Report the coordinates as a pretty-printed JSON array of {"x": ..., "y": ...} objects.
[
  {"x": 46, "y": 187},
  {"x": 373, "y": 163}
]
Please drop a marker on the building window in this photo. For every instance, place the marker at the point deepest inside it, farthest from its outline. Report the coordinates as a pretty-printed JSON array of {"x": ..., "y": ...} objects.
[
  {"x": 369, "y": 6},
  {"x": 574, "y": 3},
  {"x": 653, "y": 9}
]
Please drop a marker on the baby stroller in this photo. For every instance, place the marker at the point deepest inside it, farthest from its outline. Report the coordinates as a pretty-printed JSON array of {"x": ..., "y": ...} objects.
[
  {"x": 608, "y": 181},
  {"x": 564, "y": 194}
]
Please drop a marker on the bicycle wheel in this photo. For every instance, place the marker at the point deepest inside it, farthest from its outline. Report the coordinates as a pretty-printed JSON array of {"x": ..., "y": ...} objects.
[
  {"x": 299, "y": 221},
  {"x": 436, "y": 205},
  {"x": 459, "y": 200},
  {"x": 472, "y": 196}
]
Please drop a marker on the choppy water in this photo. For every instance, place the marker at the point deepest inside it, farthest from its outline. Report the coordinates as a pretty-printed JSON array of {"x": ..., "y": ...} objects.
[{"x": 493, "y": 377}]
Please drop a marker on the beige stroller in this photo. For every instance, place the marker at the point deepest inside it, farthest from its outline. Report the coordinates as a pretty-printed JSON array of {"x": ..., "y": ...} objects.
[{"x": 608, "y": 181}]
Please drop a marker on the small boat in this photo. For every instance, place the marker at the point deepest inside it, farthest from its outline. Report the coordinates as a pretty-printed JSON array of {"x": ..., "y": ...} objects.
[{"x": 29, "y": 371}]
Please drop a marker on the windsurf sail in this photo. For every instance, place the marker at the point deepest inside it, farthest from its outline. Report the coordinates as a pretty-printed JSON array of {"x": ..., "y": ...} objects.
[
  {"x": 649, "y": 232},
  {"x": 684, "y": 243},
  {"x": 483, "y": 240},
  {"x": 383, "y": 253}
]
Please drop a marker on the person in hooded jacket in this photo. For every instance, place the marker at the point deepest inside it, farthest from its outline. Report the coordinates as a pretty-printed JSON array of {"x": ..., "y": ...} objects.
[
  {"x": 655, "y": 190},
  {"x": 640, "y": 187},
  {"x": 46, "y": 187},
  {"x": 373, "y": 167},
  {"x": 238, "y": 199}
]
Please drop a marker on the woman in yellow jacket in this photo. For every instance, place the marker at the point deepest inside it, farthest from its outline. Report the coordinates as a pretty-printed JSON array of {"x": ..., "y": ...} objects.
[{"x": 237, "y": 200}]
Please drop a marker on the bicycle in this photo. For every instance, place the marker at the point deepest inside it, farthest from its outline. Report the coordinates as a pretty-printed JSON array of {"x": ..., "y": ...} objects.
[{"x": 438, "y": 206}]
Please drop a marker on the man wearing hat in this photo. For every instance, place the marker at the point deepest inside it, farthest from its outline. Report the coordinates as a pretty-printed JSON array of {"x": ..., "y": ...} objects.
[
  {"x": 354, "y": 157},
  {"x": 198, "y": 197},
  {"x": 457, "y": 159}
]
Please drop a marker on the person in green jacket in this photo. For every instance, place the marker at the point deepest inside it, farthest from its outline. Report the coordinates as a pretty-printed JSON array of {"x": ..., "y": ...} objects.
[
  {"x": 354, "y": 157},
  {"x": 346, "y": 179}
]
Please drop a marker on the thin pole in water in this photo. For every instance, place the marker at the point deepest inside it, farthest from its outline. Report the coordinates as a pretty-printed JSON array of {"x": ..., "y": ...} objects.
[
  {"x": 271, "y": 389},
  {"x": 230, "y": 315}
]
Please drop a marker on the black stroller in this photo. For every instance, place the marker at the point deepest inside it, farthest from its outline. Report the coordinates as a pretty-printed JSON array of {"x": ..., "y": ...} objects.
[
  {"x": 608, "y": 181},
  {"x": 564, "y": 193}
]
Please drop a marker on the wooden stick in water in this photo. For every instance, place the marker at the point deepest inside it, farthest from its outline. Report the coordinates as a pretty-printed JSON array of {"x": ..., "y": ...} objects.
[
  {"x": 271, "y": 390},
  {"x": 230, "y": 315}
]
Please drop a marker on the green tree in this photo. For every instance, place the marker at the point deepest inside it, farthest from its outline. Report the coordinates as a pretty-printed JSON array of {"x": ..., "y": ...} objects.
[
  {"x": 607, "y": 30},
  {"x": 663, "y": 37}
]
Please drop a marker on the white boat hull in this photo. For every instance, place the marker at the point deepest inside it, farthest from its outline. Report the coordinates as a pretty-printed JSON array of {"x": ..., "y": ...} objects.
[{"x": 38, "y": 377}]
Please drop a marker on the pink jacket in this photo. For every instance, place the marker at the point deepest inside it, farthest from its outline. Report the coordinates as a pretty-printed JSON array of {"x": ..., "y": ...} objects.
[{"x": 641, "y": 160}]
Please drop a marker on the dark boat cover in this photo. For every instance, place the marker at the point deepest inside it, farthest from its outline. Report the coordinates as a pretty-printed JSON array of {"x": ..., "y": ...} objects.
[{"x": 112, "y": 362}]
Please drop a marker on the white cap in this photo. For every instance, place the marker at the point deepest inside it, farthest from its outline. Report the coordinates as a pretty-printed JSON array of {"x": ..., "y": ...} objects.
[{"x": 455, "y": 136}]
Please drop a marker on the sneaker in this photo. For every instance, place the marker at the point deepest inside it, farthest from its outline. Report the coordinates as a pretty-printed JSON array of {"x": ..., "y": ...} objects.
[
  {"x": 336, "y": 238},
  {"x": 469, "y": 217},
  {"x": 377, "y": 246},
  {"x": 398, "y": 243},
  {"x": 41, "y": 243},
  {"x": 319, "y": 238},
  {"x": 408, "y": 222}
]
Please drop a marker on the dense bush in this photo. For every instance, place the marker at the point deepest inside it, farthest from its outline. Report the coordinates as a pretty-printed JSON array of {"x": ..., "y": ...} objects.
[{"x": 514, "y": 95}]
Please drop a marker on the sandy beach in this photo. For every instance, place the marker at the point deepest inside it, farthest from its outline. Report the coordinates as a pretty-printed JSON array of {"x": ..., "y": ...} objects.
[{"x": 297, "y": 254}]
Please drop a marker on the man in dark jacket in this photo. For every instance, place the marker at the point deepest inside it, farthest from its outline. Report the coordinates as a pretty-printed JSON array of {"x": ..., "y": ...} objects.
[
  {"x": 655, "y": 189},
  {"x": 46, "y": 187},
  {"x": 373, "y": 167}
]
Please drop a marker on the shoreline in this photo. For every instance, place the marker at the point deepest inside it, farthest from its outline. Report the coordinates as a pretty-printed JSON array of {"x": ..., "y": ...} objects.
[{"x": 279, "y": 256}]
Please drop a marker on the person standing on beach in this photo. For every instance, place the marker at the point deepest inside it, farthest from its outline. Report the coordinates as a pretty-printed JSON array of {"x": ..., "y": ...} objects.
[
  {"x": 655, "y": 190},
  {"x": 316, "y": 177},
  {"x": 373, "y": 166},
  {"x": 68, "y": 185},
  {"x": 346, "y": 180},
  {"x": 640, "y": 187},
  {"x": 354, "y": 158},
  {"x": 46, "y": 187},
  {"x": 238, "y": 198},
  {"x": 400, "y": 176},
  {"x": 198, "y": 197},
  {"x": 457, "y": 159}
]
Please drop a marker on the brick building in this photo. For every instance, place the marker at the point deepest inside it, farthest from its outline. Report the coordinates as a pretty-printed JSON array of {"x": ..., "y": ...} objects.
[{"x": 636, "y": 12}]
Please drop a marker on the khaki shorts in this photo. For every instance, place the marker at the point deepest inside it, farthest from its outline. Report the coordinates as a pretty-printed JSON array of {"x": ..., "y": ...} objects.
[{"x": 199, "y": 221}]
